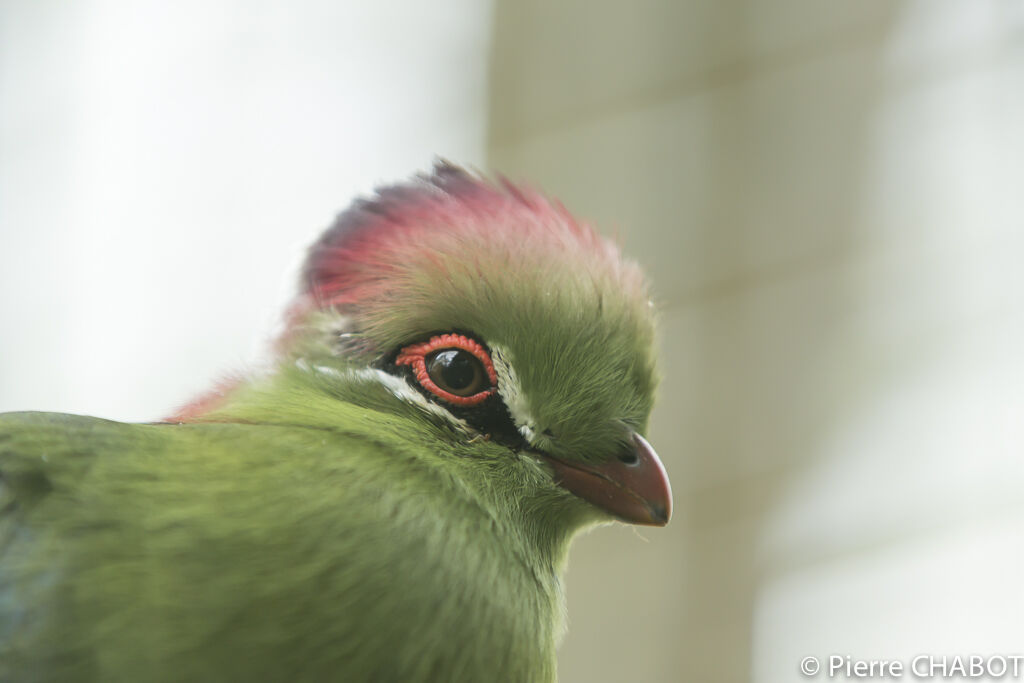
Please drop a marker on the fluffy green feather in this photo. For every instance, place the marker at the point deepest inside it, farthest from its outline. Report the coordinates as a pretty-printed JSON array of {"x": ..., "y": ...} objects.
[{"x": 234, "y": 552}]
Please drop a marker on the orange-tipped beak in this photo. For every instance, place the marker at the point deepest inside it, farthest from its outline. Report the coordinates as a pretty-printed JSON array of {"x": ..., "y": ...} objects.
[{"x": 634, "y": 486}]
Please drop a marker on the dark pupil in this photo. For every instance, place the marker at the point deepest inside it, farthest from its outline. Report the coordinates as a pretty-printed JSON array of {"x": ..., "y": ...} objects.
[{"x": 457, "y": 369}]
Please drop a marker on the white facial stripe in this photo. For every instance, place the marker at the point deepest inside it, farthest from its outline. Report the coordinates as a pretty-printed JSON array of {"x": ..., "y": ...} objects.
[
  {"x": 398, "y": 388},
  {"x": 512, "y": 394}
]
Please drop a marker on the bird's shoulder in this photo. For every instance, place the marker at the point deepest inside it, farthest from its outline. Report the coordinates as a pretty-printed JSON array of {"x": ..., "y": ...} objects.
[{"x": 39, "y": 451}]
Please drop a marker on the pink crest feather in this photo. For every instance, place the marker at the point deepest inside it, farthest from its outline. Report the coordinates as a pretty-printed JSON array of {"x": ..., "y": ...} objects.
[{"x": 373, "y": 238}]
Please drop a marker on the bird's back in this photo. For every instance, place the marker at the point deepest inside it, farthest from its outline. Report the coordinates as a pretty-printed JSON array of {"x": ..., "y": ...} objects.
[{"x": 253, "y": 552}]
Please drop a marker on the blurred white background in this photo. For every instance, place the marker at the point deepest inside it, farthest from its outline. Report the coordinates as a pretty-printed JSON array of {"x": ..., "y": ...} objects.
[
  {"x": 827, "y": 197},
  {"x": 163, "y": 165}
]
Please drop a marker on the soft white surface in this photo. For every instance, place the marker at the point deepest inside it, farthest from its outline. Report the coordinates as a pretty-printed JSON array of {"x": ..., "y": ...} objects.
[{"x": 163, "y": 165}]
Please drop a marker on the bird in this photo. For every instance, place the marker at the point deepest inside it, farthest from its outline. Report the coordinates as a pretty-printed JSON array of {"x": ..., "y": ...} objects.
[{"x": 460, "y": 386}]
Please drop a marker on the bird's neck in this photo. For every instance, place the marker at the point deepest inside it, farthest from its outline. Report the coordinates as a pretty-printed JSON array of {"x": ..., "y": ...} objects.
[{"x": 539, "y": 521}]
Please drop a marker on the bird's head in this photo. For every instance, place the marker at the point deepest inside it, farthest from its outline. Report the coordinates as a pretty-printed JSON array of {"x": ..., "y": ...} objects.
[{"x": 488, "y": 308}]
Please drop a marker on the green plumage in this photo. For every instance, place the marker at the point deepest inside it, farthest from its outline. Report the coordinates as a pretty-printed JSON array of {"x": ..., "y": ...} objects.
[
  {"x": 321, "y": 522},
  {"x": 216, "y": 552}
]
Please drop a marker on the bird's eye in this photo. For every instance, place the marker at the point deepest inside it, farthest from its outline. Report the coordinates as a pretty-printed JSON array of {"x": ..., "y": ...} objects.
[
  {"x": 453, "y": 367},
  {"x": 456, "y": 371}
]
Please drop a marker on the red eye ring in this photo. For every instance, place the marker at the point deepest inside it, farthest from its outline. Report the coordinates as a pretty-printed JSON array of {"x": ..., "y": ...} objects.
[{"x": 415, "y": 355}]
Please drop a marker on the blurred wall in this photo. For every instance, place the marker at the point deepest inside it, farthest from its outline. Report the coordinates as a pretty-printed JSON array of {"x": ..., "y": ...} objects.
[
  {"x": 827, "y": 198},
  {"x": 163, "y": 166}
]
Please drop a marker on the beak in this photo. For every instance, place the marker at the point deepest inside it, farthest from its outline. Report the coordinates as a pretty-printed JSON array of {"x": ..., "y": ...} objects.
[{"x": 633, "y": 486}]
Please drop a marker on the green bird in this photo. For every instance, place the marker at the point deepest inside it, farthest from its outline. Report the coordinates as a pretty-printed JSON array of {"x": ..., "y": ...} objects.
[{"x": 462, "y": 386}]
